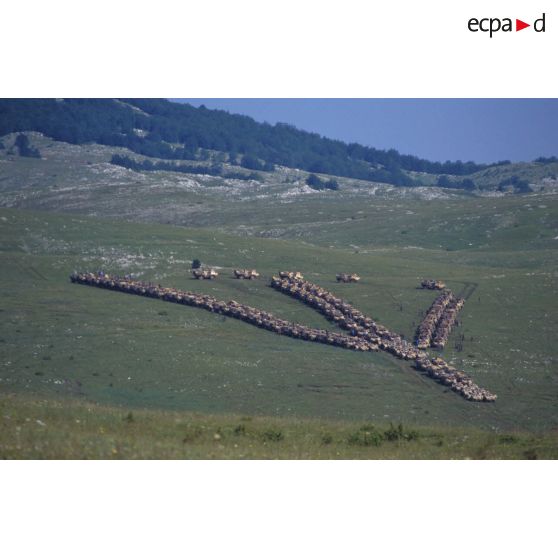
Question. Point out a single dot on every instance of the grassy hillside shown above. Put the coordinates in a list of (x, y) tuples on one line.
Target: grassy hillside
[(68, 348), (75, 342), (79, 179)]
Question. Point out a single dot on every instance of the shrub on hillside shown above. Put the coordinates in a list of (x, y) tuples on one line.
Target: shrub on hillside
[(253, 163), (366, 435), (552, 159), (215, 169), (397, 433), (24, 147), (518, 184), (446, 182), (273, 435), (316, 183), (240, 430)]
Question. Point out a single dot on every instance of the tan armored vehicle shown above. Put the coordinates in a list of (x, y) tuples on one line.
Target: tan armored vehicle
[(433, 285), (296, 275), (246, 274), (204, 273), (347, 278)]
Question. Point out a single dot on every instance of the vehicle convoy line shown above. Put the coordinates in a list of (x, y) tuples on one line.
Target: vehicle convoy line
[(231, 309), (365, 334), (436, 326), (364, 327)]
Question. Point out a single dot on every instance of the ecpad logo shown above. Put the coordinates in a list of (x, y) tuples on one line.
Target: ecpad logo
[(493, 25)]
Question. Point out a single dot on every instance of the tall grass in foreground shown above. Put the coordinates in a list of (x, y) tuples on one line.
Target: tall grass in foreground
[(73, 429)]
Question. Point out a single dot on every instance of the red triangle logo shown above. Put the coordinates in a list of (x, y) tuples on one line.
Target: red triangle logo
[(519, 25)]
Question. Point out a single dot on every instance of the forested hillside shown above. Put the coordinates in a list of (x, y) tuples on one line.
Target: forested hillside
[(167, 130)]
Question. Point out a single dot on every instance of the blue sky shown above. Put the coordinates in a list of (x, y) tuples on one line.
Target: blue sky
[(482, 130)]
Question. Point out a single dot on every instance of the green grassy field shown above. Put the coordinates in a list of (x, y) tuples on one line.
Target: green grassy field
[(78, 343)]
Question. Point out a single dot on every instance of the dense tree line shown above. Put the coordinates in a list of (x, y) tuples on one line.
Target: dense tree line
[(166, 130), (215, 169)]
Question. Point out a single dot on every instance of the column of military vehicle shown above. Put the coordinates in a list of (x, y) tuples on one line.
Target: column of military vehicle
[(446, 322), (440, 318), (362, 326), (427, 327), (231, 308), (365, 333)]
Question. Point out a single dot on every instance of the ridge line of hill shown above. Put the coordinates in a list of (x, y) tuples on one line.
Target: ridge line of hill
[(169, 130)]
